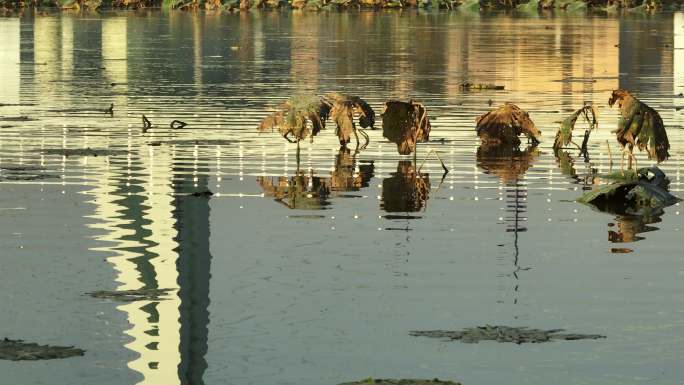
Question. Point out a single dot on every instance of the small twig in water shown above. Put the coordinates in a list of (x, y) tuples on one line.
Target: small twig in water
[(178, 124), (146, 124)]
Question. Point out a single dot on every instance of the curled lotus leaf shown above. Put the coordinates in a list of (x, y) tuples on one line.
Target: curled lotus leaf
[(638, 193), (640, 125), (297, 118), (343, 109), (504, 124)]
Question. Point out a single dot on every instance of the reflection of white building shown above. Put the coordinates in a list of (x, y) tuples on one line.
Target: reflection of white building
[(9, 60), (678, 59), (155, 325)]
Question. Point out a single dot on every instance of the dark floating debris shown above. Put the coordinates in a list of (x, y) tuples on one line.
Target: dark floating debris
[(131, 295), (16, 119), (633, 193), (18, 350), (82, 151), (389, 381), (405, 217), (480, 86), (178, 124), (202, 194), (146, 124), (17, 104), (24, 173), (305, 216), (518, 335), (503, 125), (109, 110), (200, 142)]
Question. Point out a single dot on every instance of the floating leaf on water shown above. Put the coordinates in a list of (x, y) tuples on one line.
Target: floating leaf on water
[(636, 194), (481, 86), (518, 335), (131, 295), (405, 124), (18, 350), (82, 151), (564, 134), (503, 125), (406, 190), (640, 125), (406, 381)]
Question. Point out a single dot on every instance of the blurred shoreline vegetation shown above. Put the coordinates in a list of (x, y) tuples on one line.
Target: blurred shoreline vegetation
[(523, 7)]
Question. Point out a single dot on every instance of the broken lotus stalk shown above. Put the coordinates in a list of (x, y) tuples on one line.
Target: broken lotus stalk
[(564, 134)]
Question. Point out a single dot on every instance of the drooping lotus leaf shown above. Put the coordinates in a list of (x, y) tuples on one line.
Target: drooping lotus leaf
[(343, 109), (636, 194), (503, 125), (406, 190), (508, 163), (640, 125), (564, 134), (405, 124), (300, 117)]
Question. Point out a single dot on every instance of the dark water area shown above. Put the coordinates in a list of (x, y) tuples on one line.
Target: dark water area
[(315, 273)]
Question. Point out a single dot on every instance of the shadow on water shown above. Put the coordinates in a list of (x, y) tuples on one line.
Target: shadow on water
[(192, 214), (305, 191)]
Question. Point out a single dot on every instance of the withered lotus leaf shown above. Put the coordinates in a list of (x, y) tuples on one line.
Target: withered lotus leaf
[(405, 124), (504, 124)]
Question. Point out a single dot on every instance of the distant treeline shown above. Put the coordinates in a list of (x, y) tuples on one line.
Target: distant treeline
[(523, 6)]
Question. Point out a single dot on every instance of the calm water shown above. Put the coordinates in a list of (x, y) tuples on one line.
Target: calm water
[(316, 275)]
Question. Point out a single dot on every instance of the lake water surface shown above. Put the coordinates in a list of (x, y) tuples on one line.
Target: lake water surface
[(315, 273)]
